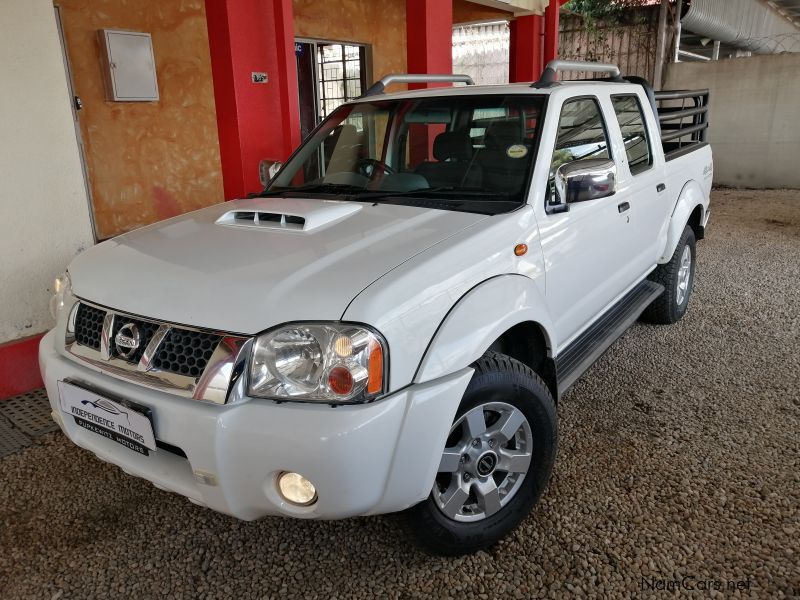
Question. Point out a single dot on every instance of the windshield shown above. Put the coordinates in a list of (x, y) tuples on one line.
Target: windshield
[(471, 153)]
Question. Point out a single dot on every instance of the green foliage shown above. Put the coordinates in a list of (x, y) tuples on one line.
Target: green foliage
[(611, 12)]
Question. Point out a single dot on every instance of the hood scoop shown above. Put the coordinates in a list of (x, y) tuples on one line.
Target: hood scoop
[(246, 218), (303, 217)]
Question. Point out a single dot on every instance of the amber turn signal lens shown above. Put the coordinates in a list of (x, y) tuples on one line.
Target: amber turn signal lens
[(520, 249), (375, 369)]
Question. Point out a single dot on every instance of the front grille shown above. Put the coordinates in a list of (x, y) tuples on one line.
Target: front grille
[(178, 360), (146, 331), (182, 351), (89, 326), (186, 352)]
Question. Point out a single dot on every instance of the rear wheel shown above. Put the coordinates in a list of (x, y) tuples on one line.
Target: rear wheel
[(677, 277), (496, 462)]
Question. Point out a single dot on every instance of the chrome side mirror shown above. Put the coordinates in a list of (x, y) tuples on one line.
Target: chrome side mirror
[(581, 180), (267, 169)]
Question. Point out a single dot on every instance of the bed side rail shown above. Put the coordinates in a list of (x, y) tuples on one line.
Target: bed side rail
[(683, 117)]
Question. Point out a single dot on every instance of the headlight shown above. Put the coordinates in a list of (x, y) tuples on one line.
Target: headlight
[(335, 363), (62, 287)]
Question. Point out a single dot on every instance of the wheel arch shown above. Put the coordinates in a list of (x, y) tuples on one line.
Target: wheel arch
[(506, 314), (689, 210)]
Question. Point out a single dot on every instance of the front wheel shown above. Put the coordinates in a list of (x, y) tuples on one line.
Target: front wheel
[(496, 462)]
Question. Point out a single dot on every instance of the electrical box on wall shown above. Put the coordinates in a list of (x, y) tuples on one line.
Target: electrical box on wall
[(129, 66)]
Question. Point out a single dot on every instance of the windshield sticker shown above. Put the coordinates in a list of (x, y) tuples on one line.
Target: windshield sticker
[(516, 151)]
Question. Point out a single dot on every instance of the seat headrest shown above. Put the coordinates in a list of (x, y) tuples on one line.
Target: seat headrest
[(454, 145), (502, 134)]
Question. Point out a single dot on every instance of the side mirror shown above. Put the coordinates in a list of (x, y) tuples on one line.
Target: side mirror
[(582, 180), (267, 169)]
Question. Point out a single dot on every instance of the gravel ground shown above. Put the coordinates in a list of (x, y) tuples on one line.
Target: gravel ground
[(678, 458)]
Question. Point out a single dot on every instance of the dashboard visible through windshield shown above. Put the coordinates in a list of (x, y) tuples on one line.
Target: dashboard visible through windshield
[(468, 153)]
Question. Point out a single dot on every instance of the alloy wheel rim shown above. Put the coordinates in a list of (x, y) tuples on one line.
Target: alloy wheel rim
[(487, 456), (684, 275)]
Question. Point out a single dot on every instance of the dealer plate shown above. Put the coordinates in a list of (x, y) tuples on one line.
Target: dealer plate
[(112, 419)]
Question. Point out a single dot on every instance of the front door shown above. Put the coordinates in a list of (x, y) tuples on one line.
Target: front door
[(585, 248)]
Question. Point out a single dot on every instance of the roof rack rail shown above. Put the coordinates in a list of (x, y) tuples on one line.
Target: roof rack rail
[(548, 77), (378, 87)]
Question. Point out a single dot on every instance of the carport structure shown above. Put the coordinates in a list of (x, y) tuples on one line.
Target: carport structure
[(244, 34)]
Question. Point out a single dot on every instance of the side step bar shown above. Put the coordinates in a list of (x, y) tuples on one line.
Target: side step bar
[(581, 354)]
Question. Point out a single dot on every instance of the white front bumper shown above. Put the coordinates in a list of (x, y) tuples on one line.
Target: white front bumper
[(368, 459)]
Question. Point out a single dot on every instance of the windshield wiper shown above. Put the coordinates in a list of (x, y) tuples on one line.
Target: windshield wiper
[(442, 190), (320, 188)]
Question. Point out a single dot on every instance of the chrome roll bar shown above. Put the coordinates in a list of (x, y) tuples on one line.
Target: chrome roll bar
[(554, 66), (379, 86)]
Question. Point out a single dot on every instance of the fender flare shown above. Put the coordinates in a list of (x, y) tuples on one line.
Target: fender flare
[(479, 317), (690, 198)]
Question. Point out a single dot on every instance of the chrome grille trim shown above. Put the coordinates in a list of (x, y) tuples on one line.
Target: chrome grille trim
[(105, 335), (152, 348), (214, 384)]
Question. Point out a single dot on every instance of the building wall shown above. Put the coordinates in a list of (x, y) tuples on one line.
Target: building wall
[(147, 161), (482, 52), (630, 44), (754, 128), (382, 25), (43, 207)]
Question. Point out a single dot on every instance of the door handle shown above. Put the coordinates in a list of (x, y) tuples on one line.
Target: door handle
[(623, 206), (661, 187)]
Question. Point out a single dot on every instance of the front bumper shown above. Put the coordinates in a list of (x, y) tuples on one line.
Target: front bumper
[(368, 459)]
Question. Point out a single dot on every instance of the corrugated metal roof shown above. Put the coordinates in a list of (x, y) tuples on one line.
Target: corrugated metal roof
[(747, 24), (789, 9)]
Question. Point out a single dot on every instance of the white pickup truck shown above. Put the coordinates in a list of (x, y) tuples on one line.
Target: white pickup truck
[(389, 325)]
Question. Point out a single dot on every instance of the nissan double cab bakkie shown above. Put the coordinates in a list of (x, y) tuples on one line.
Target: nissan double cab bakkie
[(389, 324)]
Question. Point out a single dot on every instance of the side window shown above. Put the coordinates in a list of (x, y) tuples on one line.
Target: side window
[(581, 134), (634, 132)]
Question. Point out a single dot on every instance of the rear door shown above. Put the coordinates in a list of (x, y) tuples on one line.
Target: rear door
[(586, 249), (640, 179)]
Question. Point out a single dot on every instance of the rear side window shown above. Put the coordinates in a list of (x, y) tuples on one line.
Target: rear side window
[(634, 133)]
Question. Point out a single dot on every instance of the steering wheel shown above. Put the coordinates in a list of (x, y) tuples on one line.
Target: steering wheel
[(367, 166)]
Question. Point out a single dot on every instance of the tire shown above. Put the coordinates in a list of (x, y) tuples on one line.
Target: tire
[(504, 388), (670, 306)]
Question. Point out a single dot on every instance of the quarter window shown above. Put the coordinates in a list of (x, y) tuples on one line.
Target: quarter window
[(634, 133)]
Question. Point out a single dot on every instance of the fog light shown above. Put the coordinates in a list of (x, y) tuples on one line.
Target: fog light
[(296, 489)]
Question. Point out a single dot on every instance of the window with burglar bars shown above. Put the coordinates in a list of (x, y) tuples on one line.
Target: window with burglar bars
[(341, 75)]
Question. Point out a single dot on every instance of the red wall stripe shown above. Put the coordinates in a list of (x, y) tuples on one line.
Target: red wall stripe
[(19, 366)]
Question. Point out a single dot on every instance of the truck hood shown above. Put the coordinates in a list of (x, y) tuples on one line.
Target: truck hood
[(248, 265)]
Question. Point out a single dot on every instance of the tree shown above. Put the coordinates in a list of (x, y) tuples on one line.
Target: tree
[(612, 12)]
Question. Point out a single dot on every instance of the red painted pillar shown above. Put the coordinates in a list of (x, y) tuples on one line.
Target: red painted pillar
[(429, 38), (551, 30), (429, 49), (255, 121), (525, 57)]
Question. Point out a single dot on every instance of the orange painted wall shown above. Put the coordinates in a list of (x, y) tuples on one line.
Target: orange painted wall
[(147, 161), (379, 23)]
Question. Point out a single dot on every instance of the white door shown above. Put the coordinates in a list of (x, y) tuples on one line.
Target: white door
[(641, 179), (585, 247)]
